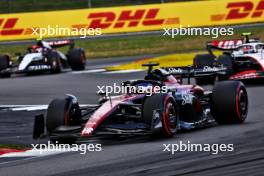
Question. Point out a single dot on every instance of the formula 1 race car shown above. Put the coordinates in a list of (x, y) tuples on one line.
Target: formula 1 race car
[(241, 59), (44, 57), (161, 113)]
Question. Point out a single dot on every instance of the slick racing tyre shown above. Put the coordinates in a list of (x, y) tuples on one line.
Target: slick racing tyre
[(4, 64), (77, 59), (54, 62), (229, 102), (200, 61), (161, 108), (62, 112), (226, 61)]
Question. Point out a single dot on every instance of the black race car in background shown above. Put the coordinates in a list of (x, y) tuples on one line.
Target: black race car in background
[(180, 107), (44, 57), (241, 60)]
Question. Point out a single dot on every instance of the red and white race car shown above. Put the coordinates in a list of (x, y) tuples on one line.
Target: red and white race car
[(241, 60), (163, 113)]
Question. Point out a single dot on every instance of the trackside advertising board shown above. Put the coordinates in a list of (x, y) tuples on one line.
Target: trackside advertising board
[(133, 18)]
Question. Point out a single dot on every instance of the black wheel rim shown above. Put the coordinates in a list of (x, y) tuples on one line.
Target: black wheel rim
[(242, 104), (171, 116)]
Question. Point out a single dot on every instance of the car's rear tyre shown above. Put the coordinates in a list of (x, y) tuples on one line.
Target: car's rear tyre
[(161, 107), (226, 61), (201, 61), (54, 62), (76, 59), (61, 112), (229, 102), (4, 64)]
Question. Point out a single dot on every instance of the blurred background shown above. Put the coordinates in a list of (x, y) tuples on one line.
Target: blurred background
[(12, 6), (136, 44)]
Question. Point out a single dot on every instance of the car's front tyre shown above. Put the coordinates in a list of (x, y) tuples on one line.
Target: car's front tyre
[(54, 62), (61, 112), (4, 64)]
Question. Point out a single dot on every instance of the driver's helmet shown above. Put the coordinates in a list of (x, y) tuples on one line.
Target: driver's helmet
[(38, 47), (39, 43), (35, 49), (247, 49)]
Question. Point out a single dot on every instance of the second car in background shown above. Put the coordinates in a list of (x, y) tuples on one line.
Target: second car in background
[(44, 57)]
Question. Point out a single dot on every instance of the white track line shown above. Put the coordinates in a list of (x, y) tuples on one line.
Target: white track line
[(31, 107), (31, 153), (88, 71), (23, 107), (123, 71), (104, 71)]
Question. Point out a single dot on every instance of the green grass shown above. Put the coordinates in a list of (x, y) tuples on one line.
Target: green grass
[(141, 45), (13, 146)]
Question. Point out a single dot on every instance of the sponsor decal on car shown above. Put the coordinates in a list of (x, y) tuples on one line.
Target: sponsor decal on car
[(175, 70), (39, 67), (227, 44)]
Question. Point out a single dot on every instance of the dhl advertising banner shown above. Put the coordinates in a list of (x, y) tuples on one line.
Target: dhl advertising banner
[(134, 18)]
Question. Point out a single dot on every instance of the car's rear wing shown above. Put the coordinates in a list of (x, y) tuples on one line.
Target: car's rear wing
[(229, 45), (224, 44), (195, 72), (61, 43), (191, 72)]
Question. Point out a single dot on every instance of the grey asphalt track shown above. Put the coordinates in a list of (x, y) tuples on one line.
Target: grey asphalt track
[(135, 156)]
